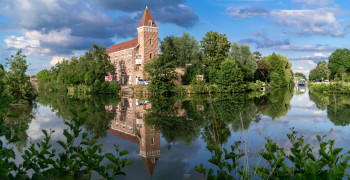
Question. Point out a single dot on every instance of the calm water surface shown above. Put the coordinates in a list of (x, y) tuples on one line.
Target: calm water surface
[(166, 137)]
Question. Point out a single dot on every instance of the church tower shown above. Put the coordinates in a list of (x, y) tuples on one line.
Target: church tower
[(147, 36)]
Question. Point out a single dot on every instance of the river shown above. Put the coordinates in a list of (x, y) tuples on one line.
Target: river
[(166, 136)]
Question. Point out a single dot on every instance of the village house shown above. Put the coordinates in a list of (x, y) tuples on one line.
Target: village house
[(130, 57)]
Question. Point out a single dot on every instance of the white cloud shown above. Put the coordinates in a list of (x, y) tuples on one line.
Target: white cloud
[(292, 47), (246, 12), (57, 59), (319, 21)]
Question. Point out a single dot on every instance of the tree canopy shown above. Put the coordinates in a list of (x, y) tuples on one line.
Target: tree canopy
[(339, 63), (321, 72), (241, 53), (18, 83)]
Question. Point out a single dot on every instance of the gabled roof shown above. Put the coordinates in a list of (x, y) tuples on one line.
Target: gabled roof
[(121, 46), (146, 17), (129, 137)]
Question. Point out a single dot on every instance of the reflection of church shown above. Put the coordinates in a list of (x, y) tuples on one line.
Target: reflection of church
[(129, 124)]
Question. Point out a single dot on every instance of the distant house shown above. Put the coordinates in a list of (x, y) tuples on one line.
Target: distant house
[(130, 57)]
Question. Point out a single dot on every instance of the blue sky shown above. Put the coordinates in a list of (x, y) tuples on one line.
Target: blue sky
[(306, 31)]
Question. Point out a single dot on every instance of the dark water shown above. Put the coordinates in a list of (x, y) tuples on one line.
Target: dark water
[(166, 137)]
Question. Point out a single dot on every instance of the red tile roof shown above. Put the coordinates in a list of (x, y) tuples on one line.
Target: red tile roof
[(145, 19), (122, 46)]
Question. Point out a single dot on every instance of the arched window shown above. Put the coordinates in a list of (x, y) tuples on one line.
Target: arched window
[(150, 23), (129, 57)]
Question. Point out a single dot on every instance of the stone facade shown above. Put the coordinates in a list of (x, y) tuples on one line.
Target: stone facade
[(130, 57)]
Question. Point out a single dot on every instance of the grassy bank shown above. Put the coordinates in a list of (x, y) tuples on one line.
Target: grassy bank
[(336, 87)]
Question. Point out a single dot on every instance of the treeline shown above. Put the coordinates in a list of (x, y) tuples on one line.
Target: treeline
[(338, 67), (226, 67), (85, 74)]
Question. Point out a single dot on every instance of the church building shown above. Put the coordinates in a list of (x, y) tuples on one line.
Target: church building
[(130, 57)]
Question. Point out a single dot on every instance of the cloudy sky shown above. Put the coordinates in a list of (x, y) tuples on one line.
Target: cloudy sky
[(306, 31)]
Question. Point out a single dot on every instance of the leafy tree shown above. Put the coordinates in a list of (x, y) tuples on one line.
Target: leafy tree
[(263, 71), (241, 53), (215, 47), (321, 72), (230, 77), (279, 69), (182, 50), (92, 67), (161, 72), (339, 63), (18, 83), (301, 75), (257, 55)]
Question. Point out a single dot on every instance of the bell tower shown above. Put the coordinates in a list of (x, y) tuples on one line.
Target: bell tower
[(147, 35)]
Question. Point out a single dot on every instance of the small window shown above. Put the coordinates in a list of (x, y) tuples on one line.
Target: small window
[(129, 57), (150, 23), (116, 59), (150, 55), (152, 140), (150, 41)]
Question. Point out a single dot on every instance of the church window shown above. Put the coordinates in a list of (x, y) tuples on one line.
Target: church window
[(116, 60), (150, 55), (152, 140), (129, 57), (122, 58), (150, 41), (150, 23)]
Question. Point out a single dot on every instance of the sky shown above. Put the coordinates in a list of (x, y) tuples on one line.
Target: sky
[(306, 31)]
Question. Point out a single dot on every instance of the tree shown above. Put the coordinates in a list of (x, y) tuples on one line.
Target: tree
[(161, 72), (279, 70), (230, 77), (257, 55), (241, 53), (18, 83), (321, 72), (339, 63), (215, 47), (301, 75)]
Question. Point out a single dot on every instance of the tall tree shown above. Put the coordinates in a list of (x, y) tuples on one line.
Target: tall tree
[(301, 75), (181, 50), (19, 85), (339, 63), (280, 69), (215, 47), (241, 53), (321, 72)]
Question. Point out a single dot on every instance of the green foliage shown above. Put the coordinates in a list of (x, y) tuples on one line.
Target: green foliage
[(215, 47), (300, 75), (339, 63), (276, 103), (279, 70), (80, 157), (161, 72), (300, 163), (230, 77), (321, 72), (241, 53), (181, 50), (97, 118), (18, 83), (88, 70)]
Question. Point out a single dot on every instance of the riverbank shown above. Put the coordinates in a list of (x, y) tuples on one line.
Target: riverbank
[(333, 87)]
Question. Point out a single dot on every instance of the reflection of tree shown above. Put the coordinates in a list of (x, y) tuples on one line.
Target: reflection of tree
[(276, 103), (321, 100), (338, 110), (98, 119), (237, 110), (175, 120), (23, 115)]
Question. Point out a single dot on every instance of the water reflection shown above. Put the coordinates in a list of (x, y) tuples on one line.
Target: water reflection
[(129, 125)]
